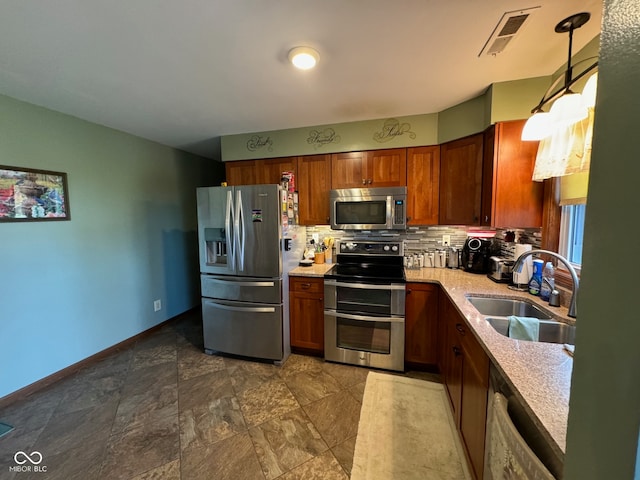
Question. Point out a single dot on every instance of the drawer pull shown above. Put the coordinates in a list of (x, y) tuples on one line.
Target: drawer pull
[(460, 329), (305, 285), (457, 352)]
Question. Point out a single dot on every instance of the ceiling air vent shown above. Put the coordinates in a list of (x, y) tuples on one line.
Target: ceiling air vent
[(508, 27)]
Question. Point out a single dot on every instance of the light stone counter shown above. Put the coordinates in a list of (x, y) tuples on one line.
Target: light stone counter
[(539, 373), (315, 270)]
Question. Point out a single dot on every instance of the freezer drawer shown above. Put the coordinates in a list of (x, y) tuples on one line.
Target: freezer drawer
[(239, 328), (249, 289)]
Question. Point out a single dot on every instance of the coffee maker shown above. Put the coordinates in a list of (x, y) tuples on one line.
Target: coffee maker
[(476, 253)]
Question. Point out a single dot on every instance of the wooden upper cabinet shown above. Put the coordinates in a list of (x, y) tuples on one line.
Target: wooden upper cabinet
[(461, 181), (241, 173), (423, 185), (348, 170), (256, 172), (387, 168), (510, 198), (270, 170), (313, 182), (376, 168)]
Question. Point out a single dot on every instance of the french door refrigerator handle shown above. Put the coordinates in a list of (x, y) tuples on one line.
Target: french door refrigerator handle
[(241, 309), (236, 232), (228, 222), (241, 227)]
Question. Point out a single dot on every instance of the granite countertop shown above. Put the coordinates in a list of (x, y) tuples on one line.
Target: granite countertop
[(315, 270), (539, 373)]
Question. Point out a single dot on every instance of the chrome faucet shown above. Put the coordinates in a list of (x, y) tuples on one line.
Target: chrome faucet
[(517, 267)]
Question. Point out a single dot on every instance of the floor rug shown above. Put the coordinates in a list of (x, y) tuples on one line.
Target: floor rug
[(406, 432)]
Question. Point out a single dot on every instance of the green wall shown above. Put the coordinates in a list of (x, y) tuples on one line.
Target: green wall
[(407, 131), (70, 289), (604, 413), (461, 120)]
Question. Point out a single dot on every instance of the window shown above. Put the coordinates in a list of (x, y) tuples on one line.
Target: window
[(572, 232)]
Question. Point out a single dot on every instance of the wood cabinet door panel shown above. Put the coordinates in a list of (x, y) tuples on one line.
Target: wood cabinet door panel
[(314, 183), (461, 181), (517, 200), (421, 325), (348, 170), (386, 168), (270, 170), (473, 407), (306, 314), (241, 173), (423, 185)]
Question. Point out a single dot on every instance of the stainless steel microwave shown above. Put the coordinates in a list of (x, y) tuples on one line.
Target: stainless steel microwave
[(369, 208)]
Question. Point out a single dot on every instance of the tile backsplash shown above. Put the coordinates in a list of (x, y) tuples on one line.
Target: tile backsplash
[(418, 239)]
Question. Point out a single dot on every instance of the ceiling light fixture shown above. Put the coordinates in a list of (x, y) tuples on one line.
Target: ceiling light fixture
[(304, 58), (568, 107)]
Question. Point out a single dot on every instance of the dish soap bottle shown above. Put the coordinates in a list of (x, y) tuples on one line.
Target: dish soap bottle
[(548, 281), (536, 279)]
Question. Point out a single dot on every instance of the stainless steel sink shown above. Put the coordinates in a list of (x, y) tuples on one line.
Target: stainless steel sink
[(551, 331), (496, 311), (503, 307)]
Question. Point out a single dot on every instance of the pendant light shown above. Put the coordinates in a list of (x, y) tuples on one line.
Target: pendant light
[(568, 107)]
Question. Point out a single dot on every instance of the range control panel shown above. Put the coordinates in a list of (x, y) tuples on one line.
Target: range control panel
[(353, 247)]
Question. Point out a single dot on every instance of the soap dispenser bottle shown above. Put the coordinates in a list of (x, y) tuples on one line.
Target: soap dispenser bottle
[(536, 279), (548, 281)]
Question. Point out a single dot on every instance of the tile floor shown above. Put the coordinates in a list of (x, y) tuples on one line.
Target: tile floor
[(162, 409)]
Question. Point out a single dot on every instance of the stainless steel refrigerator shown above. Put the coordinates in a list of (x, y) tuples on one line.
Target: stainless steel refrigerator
[(246, 251)]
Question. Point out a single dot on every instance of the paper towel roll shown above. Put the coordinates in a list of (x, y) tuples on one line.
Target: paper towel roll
[(524, 276)]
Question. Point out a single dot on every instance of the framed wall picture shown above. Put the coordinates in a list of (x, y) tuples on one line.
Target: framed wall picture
[(28, 195)]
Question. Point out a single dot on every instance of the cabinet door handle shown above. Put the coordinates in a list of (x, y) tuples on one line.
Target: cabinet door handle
[(460, 329), (369, 181), (457, 352), (364, 181), (408, 291)]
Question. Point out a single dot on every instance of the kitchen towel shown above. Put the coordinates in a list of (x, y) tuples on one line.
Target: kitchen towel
[(524, 328)]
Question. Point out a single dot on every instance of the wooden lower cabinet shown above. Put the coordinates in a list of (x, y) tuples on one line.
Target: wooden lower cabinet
[(465, 370), (421, 327), (306, 315)]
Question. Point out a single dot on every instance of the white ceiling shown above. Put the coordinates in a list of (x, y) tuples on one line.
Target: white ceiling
[(184, 72)]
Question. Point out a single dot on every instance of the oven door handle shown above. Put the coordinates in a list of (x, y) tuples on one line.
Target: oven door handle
[(365, 286), (364, 318)]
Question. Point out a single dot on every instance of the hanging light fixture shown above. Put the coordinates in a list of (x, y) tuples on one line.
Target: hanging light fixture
[(568, 107)]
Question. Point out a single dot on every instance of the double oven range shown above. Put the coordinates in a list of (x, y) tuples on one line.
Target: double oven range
[(364, 305)]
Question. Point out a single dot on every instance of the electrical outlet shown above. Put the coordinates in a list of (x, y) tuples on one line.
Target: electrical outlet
[(157, 305), (446, 240)]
